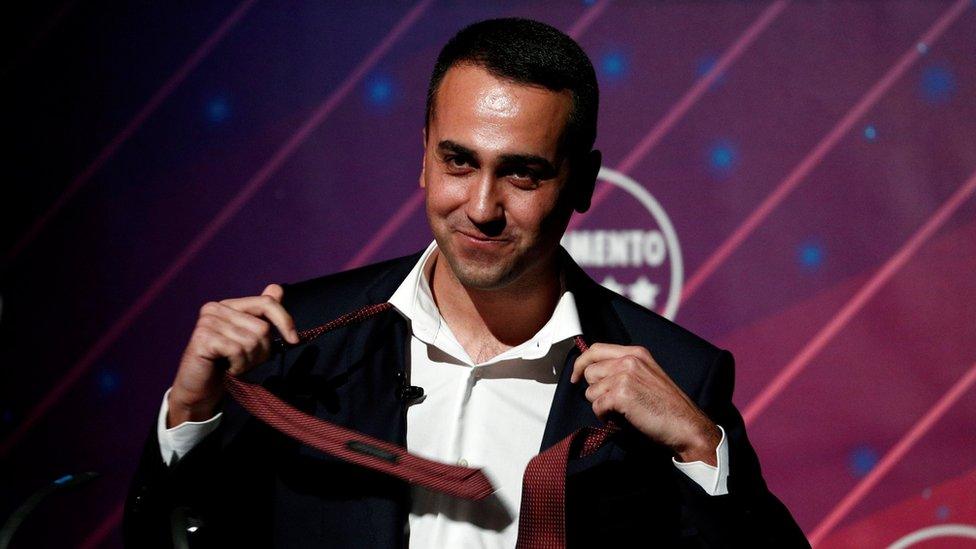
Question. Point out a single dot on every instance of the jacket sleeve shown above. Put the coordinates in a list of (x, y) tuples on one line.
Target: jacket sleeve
[(214, 494), (749, 515), (145, 522)]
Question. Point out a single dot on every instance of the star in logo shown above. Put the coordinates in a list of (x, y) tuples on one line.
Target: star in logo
[(643, 292), (611, 284)]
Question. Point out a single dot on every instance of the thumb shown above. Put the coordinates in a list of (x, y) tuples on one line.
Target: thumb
[(275, 291)]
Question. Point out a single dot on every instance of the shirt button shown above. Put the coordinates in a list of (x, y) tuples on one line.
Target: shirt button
[(463, 462)]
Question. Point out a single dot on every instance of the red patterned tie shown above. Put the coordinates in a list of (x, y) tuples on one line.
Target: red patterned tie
[(542, 515), (542, 521)]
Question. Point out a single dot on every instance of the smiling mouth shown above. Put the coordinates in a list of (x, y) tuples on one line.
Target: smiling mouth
[(481, 239)]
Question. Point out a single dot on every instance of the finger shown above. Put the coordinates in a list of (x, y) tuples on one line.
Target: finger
[(218, 346), (266, 307), (620, 380), (256, 347), (258, 326), (628, 364), (606, 351), (275, 291), (617, 401), (599, 370), (596, 390), (605, 406)]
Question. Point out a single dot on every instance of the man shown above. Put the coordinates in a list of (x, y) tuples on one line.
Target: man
[(485, 321)]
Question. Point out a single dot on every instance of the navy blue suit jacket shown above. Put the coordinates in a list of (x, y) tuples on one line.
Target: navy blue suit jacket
[(246, 485)]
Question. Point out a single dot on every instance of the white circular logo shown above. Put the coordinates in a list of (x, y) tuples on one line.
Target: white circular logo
[(636, 254), (935, 532)]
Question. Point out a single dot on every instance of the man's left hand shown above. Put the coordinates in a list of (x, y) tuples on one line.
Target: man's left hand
[(626, 380)]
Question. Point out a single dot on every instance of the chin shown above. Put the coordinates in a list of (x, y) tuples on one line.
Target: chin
[(476, 275)]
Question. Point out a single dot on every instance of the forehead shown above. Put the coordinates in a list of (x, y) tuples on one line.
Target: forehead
[(483, 111)]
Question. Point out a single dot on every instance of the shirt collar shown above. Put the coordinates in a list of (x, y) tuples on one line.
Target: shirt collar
[(415, 301)]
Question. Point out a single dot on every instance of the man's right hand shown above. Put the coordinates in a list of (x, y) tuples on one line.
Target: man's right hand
[(234, 334)]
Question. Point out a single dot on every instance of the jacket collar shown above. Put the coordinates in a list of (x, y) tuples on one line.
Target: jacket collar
[(599, 321), (414, 300)]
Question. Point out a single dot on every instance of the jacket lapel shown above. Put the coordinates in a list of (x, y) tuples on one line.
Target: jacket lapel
[(352, 375), (376, 349), (570, 410), (375, 333)]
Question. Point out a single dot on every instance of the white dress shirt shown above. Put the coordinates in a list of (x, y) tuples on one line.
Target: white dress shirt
[(490, 415)]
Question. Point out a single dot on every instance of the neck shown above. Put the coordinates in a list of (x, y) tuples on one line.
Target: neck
[(488, 322)]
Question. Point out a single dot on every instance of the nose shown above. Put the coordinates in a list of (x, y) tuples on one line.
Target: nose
[(486, 206)]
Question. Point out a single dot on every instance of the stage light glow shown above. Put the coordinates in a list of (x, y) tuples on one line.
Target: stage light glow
[(218, 109), (810, 255), (723, 158), (861, 460), (380, 90), (614, 65), (705, 64), (108, 382), (938, 84)]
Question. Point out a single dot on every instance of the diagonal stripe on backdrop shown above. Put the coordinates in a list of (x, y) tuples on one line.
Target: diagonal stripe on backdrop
[(587, 19), (678, 111), (857, 302), (109, 150), (894, 455), (97, 537), (663, 126), (813, 158), (216, 224)]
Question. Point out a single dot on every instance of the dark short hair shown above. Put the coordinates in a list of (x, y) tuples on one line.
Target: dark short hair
[(527, 52)]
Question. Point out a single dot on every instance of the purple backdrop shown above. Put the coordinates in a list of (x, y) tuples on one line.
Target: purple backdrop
[(798, 183)]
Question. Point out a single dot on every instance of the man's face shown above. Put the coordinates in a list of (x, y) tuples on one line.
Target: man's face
[(496, 176)]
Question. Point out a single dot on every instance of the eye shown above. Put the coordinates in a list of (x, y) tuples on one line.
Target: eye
[(523, 177), (455, 161)]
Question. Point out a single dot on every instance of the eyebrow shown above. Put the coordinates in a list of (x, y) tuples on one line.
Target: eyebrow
[(457, 148), (509, 159)]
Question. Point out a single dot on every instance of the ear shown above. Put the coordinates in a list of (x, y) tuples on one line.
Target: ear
[(585, 181), (423, 161)]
